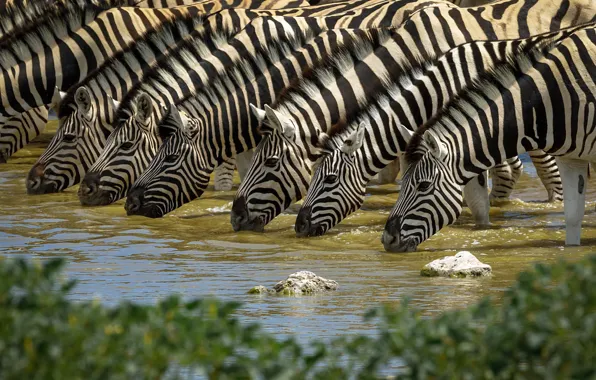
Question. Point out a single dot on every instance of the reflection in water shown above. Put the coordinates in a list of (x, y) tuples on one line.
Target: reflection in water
[(194, 251)]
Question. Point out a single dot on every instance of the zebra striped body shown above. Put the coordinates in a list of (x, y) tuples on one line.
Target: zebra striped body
[(318, 107), (180, 171), (545, 100), (62, 165), (117, 167), (64, 162), (377, 135), (33, 66), (266, 4)]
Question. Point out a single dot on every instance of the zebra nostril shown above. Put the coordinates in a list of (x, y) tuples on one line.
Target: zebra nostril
[(302, 226), (134, 201)]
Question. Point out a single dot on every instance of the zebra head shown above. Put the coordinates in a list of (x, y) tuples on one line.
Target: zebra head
[(277, 176), (336, 189), (430, 197), (127, 152), (74, 147), (178, 173)]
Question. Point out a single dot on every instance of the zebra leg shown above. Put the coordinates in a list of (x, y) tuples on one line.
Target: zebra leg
[(505, 176), (548, 172), (574, 174), (476, 197), (388, 174), (224, 175), (243, 161)]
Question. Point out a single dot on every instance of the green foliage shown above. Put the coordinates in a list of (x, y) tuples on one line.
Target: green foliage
[(544, 328)]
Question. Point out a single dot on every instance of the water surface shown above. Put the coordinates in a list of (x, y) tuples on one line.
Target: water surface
[(194, 251)]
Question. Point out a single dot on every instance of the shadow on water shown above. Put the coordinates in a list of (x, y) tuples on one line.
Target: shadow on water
[(195, 252)]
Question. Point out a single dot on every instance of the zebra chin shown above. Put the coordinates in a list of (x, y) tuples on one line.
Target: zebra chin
[(304, 226), (135, 205), (393, 243), (90, 193), (37, 182), (241, 220)]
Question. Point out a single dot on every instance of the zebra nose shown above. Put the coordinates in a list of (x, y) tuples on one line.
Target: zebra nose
[(302, 227), (90, 184), (35, 178), (239, 214), (390, 237), (134, 201)]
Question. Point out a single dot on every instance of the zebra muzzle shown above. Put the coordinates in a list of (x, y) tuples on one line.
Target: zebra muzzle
[(134, 201)]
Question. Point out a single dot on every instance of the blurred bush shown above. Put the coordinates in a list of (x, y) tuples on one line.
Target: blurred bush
[(545, 328)]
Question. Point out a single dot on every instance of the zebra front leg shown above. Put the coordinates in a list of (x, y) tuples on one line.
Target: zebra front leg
[(505, 176), (224, 175), (243, 161), (548, 172), (388, 174), (476, 197), (574, 175)]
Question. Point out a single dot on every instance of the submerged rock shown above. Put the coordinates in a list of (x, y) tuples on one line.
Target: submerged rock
[(463, 264), (259, 290), (299, 283)]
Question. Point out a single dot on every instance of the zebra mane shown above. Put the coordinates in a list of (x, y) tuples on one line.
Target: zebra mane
[(246, 69), (488, 85), (162, 38), (56, 22), (336, 64), (165, 71), (19, 13)]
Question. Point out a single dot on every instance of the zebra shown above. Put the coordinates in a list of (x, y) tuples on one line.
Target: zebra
[(281, 167), (86, 111), (118, 166), (66, 171), (46, 48), (377, 135), (388, 9), (55, 34), (181, 168), (544, 99)]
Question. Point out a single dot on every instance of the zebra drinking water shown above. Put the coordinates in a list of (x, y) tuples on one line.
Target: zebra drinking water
[(282, 164), (545, 99), (378, 134)]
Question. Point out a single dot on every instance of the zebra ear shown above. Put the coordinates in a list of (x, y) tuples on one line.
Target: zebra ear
[(144, 108), (405, 133), (435, 146), (57, 99), (115, 104), (83, 100), (259, 113), (179, 118), (281, 122), (355, 140)]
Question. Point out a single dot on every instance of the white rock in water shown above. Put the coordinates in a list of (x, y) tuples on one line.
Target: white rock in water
[(463, 264), (304, 282)]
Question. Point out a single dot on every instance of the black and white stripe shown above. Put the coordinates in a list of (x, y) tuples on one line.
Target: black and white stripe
[(180, 171), (543, 100), (378, 134), (319, 106)]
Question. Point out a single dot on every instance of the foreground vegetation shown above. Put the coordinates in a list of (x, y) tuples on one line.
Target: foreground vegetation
[(544, 328)]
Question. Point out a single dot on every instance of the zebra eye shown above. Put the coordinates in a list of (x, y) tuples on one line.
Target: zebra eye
[(126, 145), (271, 162), (331, 179), (70, 137), (171, 158), (424, 185)]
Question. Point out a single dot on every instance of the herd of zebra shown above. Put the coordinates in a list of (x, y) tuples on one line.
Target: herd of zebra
[(309, 101)]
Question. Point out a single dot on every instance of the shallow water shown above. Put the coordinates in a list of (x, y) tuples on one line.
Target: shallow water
[(194, 251)]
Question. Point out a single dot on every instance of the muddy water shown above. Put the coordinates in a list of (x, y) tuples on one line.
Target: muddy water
[(193, 251)]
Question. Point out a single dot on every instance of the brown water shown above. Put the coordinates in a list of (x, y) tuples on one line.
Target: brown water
[(194, 251)]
